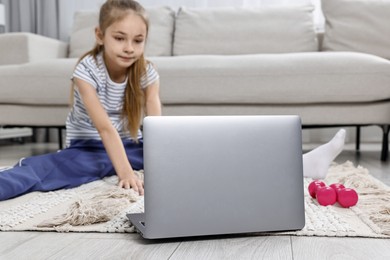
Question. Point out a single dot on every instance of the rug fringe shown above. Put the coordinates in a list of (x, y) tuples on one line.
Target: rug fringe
[(100, 208)]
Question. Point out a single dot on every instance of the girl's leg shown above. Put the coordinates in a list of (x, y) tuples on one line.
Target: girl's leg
[(83, 162), (317, 161), (17, 180), (86, 161), (46, 173)]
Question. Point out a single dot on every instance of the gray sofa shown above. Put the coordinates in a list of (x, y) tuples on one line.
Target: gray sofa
[(224, 61)]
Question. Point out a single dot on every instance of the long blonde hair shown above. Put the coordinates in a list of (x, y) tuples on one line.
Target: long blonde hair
[(110, 12)]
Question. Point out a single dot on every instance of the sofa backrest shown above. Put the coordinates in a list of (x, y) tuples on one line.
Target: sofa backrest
[(159, 43), (244, 31), (358, 26), (213, 31)]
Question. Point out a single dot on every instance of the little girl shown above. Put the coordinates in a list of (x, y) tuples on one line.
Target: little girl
[(113, 87)]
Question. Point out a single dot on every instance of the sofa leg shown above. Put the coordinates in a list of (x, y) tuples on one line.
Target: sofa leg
[(385, 143), (47, 134), (357, 138), (60, 137), (34, 135)]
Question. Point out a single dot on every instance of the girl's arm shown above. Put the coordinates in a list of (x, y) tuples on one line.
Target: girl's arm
[(152, 99), (110, 137)]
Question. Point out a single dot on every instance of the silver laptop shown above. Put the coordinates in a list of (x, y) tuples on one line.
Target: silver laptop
[(214, 175)]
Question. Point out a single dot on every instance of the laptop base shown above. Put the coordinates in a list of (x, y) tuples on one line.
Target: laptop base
[(138, 220)]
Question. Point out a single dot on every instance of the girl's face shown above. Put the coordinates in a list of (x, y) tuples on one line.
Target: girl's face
[(124, 43)]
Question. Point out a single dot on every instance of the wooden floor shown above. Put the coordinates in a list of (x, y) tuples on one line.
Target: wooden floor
[(51, 245)]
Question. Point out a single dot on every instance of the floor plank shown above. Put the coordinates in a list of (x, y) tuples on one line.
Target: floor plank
[(340, 248), (36, 245), (51, 245), (10, 241), (253, 247), (115, 246)]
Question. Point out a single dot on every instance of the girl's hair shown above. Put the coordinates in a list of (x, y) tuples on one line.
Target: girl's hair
[(110, 12)]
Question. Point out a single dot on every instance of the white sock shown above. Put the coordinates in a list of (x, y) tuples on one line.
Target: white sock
[(317, 161)]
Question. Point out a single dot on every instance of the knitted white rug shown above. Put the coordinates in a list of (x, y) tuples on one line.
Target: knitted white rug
[(101, 207)]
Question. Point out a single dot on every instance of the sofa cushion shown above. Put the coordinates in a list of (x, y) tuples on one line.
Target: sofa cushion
[(42, 83), (357, 25), (159, 42), (293, 78), (244, 31), (82, 37)]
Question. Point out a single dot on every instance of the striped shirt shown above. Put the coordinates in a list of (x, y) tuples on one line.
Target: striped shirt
[(111, 95)]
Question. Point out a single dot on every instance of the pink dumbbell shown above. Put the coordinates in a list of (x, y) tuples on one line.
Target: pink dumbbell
[(313, 186), (326, 196), (346, 197)]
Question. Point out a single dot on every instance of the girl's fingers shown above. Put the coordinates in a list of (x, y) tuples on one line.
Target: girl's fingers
[(137, 185), (141, 188)]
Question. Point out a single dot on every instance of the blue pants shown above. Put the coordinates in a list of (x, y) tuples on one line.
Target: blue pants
[(84, 161)]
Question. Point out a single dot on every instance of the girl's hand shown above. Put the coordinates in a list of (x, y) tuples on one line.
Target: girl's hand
[(132, 181)]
